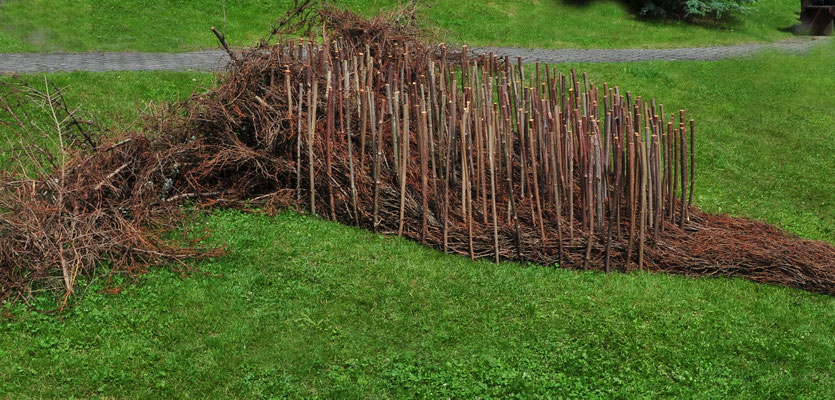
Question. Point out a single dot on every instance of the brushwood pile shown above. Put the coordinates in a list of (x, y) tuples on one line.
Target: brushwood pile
[(366, 124)]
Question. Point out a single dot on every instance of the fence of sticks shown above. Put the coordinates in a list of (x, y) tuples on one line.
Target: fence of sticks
[(485, 157), (475, 155), (483, 160)]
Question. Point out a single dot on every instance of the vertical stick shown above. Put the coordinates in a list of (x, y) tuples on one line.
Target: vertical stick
[(620, 165), (589, 204), (510, 192), (424, 182), (570, 178), (657, 173), (404, 162), (613, 204), (359, 88), (311, 126), (468, 199), (445, 144), (671, 171), (692, 162), (643, 206), (683, 163), (299, 146), (329, 141), (289, 90), (393, 103), (598, 175), (346, 125), (430, 139), (535, 184), (559, 184), (632, 189), (490, 150), (376, 137), (481, 134), (676, 169)]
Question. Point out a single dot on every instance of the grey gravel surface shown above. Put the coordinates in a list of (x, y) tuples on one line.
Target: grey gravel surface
[(213, 60), (795, 45), (206, 60)]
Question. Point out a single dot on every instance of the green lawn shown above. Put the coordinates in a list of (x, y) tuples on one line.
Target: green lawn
[(308, 308), (120, 96), (176, 25)]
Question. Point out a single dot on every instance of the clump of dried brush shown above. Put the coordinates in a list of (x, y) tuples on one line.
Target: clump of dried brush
[(71, 198)]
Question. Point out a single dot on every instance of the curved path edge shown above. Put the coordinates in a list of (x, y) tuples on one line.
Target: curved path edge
[(215, 60)]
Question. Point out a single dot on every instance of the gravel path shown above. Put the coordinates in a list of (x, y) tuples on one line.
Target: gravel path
[(796, 45), (213, 60), (207, 60)]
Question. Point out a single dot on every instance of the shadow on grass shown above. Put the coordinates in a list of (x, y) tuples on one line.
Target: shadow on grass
[(578, 3), (796, 29), (636, 8)]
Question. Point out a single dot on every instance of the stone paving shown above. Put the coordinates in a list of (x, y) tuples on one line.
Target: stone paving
[(214, 60)]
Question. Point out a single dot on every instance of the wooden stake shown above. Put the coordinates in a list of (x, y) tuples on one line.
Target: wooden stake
[(490, 150), (404, 162), (299, 146), (329, 142), (692, 162), (643, 228), (376, 137), (311, 126), (346, 126)]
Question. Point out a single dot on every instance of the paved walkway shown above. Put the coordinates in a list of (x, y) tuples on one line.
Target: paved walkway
[(213, 60)]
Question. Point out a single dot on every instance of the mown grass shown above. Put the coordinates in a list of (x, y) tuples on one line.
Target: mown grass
[(118, 97), (307, 308), (170, 25)]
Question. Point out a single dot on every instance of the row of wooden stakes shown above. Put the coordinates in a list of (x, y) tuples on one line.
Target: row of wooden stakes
[(488, 140)]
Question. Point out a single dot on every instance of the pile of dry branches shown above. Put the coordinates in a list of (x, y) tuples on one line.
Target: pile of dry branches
[(369, 126), (72, 198)]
